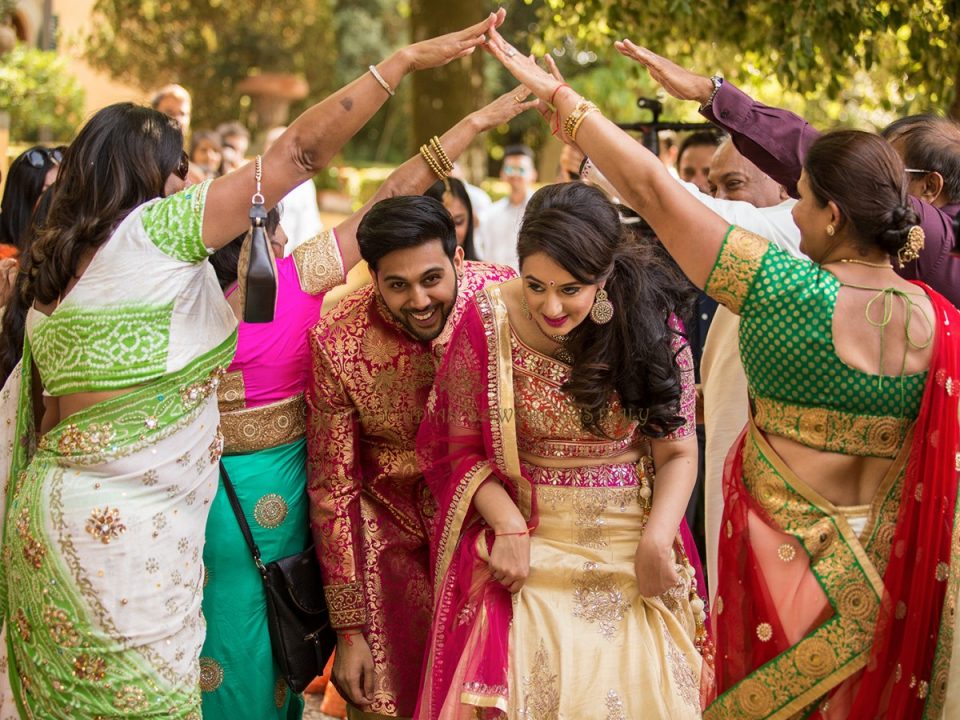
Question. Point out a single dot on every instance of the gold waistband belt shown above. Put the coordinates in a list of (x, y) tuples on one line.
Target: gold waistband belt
[(264, 427)]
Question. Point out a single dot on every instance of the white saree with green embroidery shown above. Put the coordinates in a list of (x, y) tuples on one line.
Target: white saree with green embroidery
[(104, 515)]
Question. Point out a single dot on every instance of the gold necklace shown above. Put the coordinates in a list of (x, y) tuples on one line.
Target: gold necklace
[(855, 261)]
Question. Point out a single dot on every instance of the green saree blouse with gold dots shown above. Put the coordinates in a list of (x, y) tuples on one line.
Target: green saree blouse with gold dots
[(105, 513), (817, 616)]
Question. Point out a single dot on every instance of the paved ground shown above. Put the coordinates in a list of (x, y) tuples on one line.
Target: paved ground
[(312, 711)]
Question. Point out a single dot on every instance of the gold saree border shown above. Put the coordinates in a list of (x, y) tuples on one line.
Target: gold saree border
[(839, 647), (453, 523), (500, 394), (943, 656), (265, 426)]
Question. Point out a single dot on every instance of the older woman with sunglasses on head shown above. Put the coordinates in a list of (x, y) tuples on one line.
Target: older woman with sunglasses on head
[(112, 441)]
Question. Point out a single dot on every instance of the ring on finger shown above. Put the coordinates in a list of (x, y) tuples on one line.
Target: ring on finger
[(511, 52), (518, 98)]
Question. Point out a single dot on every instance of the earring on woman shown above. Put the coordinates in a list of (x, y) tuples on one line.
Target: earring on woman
[(602, 311), (830, 230), (524, 306)]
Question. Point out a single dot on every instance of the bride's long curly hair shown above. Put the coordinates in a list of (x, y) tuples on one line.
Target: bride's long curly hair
[(580, 229)]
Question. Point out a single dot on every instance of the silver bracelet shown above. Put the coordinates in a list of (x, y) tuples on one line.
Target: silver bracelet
[(379, 78)]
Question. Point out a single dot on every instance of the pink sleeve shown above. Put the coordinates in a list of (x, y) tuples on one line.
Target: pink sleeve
[(688, 391)]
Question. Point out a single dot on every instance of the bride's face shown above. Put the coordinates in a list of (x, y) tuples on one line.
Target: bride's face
[(558, 302)]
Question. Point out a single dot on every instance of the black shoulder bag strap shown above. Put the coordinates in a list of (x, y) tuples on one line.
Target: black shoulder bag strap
[(241, 518)]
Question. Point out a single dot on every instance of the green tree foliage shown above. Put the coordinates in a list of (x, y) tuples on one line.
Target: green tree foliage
[(38, 91), (865, 59), (210, 45), (366, 32)]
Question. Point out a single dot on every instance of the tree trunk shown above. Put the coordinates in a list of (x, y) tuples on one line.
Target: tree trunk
[(442, 96)]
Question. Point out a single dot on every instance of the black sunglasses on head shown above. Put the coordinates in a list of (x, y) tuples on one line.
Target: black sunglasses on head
[(39, 157)]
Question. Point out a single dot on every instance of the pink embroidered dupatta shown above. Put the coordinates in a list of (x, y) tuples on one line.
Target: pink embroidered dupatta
[(468, 438)]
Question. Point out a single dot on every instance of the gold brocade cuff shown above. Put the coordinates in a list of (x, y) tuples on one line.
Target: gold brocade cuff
[(346, 604), (319, 264)]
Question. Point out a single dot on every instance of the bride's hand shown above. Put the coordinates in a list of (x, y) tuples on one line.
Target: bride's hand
[(441, 50), (524, 68), (550, 116), (655, 565)]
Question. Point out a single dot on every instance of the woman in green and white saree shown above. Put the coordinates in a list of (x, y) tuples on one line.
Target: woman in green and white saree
[(111, 430)]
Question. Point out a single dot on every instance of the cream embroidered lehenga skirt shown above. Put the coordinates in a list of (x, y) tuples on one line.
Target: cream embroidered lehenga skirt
[(584, 644)]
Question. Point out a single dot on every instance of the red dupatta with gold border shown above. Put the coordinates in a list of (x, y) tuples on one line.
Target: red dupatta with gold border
[(812, 621), (468, 438)]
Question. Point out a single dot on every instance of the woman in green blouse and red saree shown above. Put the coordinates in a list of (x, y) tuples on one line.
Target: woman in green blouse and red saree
[(840, 552)]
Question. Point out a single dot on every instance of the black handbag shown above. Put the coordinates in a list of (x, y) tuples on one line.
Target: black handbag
[(300, 633), (257, 269)]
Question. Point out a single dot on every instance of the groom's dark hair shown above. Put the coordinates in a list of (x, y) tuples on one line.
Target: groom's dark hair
[(404, 222)]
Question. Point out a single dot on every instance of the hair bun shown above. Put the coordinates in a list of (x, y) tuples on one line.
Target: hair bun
[(899, 221)]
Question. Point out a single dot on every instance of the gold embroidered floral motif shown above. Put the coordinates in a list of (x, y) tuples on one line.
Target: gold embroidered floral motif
[(614, 706), (942, 571), (104, 525), (599, 600), (215, 449), (34, 552), (270, 511), (754, 699), (765, 632), (89, 667), (264, 427), (74, 441), (211, 674), (685, 680), (816, 657), (23, 624), (195, 393), (786, 552), (857, 602), (541, 698), (61, 627), (130, 698)]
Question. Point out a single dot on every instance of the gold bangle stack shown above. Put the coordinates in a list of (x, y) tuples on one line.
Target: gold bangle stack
[(441, 153), (437, 158), (575, 119)]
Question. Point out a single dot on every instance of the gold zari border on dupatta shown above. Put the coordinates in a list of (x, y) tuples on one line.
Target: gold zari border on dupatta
[(846, 572), (945, 672), (453, 523), (500, 399)]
